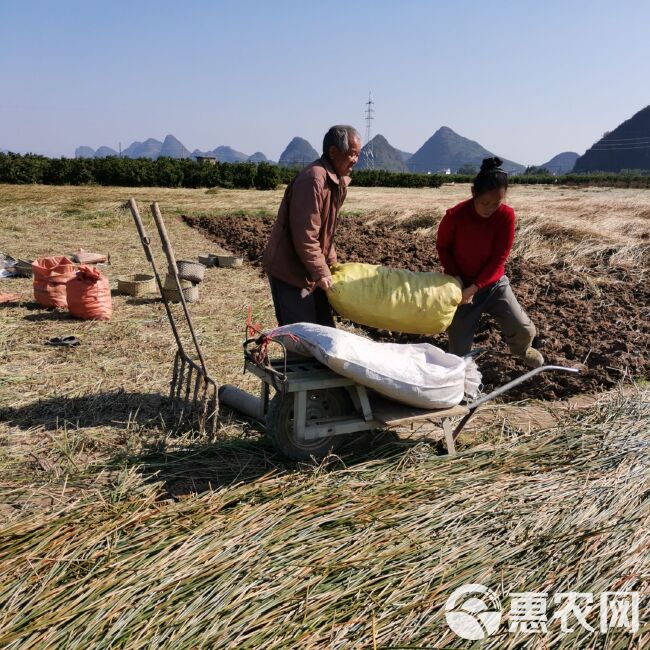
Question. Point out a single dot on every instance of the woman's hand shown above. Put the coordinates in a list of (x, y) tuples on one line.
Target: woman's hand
[(468, 294)]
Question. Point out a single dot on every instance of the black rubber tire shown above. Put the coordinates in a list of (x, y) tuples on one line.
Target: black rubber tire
[(330, 402)]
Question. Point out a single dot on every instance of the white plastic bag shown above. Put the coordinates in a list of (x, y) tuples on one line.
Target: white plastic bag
[(7, 266), (417, 374)]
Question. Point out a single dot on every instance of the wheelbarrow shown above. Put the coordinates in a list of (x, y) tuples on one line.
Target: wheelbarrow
[(313, 406)]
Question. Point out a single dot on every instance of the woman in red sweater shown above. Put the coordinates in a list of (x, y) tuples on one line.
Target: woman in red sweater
[(474, 241)]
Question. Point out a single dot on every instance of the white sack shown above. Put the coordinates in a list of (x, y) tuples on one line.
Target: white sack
[(7, 266), (417, 374)]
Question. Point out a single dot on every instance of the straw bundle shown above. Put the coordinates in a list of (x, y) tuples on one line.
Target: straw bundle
[(352, 558)]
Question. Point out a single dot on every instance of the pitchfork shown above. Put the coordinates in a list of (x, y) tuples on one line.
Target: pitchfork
[(188, 375)]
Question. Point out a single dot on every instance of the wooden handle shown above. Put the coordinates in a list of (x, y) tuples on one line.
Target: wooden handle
[(162, 231), (146, 244), (140, 226), (173, 270)]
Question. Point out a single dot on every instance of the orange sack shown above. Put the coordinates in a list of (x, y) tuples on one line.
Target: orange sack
[(51, 274), (89, 295)]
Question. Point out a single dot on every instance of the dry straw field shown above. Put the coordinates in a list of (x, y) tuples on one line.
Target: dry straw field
[(117, 530)]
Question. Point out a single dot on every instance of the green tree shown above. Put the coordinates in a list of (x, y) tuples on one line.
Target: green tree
[(267, 176)]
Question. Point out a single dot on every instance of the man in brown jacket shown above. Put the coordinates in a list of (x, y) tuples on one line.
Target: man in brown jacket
[(301, 249)]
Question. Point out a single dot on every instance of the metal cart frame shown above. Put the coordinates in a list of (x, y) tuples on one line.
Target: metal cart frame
[(294, 379)]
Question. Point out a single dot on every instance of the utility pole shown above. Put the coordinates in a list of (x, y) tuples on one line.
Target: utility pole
[(369, 118)]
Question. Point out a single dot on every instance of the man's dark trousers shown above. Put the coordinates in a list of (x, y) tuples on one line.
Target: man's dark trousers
[(290, 307)]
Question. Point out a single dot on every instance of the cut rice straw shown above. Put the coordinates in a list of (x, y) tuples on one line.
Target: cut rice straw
[(347, 558)]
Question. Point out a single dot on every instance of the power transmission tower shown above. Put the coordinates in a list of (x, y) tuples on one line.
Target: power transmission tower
[(370, 159)]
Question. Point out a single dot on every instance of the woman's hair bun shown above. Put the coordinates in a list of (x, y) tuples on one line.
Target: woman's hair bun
[(491, 164), (491, 177)]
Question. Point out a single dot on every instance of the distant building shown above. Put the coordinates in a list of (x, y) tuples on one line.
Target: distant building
[(208, 159)]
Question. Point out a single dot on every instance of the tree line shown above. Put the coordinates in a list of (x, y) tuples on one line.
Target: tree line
[(172, 172), (138, 172)]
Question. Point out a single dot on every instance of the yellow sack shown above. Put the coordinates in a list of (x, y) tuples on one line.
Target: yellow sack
[(394, 299)]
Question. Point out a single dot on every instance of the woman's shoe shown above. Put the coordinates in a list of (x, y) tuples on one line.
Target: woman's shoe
[(533, 358)]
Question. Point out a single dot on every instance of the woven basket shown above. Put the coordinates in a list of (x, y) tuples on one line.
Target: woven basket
[(191, 294), (170, 283), (137, 284), (189, 270), (208, 260), (24, 268), (229, 261)]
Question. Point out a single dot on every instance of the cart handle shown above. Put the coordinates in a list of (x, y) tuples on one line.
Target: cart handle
[(515, 382)]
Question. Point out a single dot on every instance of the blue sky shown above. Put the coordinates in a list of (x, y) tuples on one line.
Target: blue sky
[(525, 79)]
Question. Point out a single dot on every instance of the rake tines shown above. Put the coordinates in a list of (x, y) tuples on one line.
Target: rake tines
[(193, 395)]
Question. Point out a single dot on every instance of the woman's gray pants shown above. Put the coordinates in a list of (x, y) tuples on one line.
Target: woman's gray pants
[(498, 301)]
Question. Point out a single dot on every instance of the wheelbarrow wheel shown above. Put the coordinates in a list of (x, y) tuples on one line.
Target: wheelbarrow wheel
[(321, 404)]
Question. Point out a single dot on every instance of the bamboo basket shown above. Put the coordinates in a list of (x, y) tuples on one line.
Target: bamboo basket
[(170, 283), (208, 260), (190, 270), (190, 293), (229, 261), (136, 284)]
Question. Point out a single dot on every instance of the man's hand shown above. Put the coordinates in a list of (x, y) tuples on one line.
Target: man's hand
[(468, 294), (325, 283)]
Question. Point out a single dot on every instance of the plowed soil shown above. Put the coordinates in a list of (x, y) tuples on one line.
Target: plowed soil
[(597, 319)]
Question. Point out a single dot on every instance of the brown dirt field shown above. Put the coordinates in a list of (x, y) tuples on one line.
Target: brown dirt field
[(595, 316)]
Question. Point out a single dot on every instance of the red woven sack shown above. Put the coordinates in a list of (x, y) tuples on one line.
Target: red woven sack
[(89, 295), (51, 274)]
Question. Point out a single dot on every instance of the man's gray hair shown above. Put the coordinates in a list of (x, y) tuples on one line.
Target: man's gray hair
[(339, 136)]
